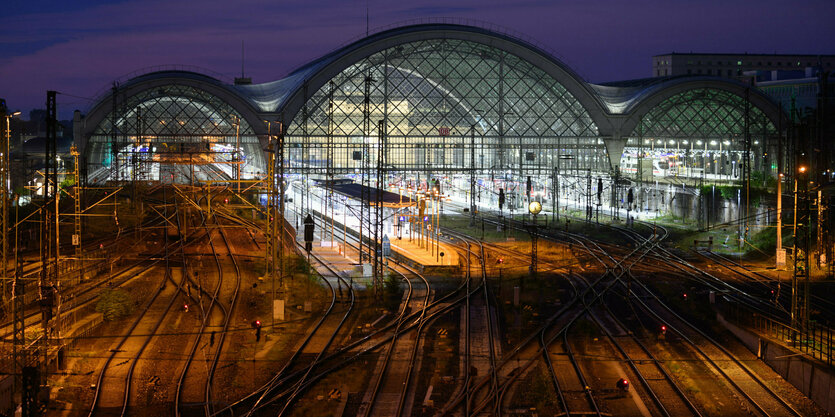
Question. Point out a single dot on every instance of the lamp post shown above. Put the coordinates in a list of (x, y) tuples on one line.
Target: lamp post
[(800, 276), (4, 194)]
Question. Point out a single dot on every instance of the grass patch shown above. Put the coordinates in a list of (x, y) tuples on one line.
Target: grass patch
[(114, 304)]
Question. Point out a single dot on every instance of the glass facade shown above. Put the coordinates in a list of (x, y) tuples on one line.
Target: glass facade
[(700, 133), (432, 108), (446, 106), (163, 130)]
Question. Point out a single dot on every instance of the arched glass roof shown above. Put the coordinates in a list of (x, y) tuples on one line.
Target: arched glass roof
[(448, 83), (437, 87), (170, 124), (175, 111), (437, 92), (703, 113)]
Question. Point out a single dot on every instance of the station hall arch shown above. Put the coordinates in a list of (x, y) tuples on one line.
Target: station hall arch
[(447, 102), (182, 126), (708, 130)]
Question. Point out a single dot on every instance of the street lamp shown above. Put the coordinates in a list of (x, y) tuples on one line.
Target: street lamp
[(5, 192)]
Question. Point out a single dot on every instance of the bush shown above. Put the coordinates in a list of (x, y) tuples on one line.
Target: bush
[(392, 293), (68, 182), (114, 304)]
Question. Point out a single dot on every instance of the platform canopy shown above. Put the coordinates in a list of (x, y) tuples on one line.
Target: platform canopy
[(369, 195)]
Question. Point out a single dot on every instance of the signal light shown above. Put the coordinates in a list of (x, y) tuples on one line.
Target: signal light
[(663, 329), (257, 325), (225, 201), (623, 384), (185, 307), (500, 261), (685, 296)]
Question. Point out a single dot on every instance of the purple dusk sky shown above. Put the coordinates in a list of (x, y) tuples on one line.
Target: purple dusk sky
[(80, 47)]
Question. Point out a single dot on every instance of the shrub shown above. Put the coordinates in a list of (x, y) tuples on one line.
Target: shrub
[(114, 304)]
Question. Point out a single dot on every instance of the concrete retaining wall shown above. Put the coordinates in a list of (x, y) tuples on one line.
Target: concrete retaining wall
[(814, 380)]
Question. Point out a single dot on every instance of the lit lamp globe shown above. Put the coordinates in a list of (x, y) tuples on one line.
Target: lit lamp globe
[(535, 207)]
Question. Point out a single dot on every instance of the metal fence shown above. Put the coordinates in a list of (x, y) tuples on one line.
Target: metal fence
[(815, 341)]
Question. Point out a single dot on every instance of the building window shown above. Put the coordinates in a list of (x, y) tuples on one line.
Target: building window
[(658, 73), (779, 64), (738, 62), (759, 64), (769, 63), (709, 72), (730, 73), (689, 71), (698, 71)]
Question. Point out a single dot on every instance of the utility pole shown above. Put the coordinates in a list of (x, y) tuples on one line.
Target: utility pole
[(76, 237), (49, 249), (588, 196), (800, 276), (747, 171), (114, 132), (472, 176), (279, 228), (273, 249), (378, 221), (237, 155), (555, 201), (329, 157), (820, 250), (781, 253), (4, 198), (365, 195)]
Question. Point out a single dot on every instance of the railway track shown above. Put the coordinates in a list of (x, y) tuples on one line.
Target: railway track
[(758, 396), (340, 357), (113, 386)]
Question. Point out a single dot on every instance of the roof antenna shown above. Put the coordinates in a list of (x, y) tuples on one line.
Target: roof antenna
[(243, 80)]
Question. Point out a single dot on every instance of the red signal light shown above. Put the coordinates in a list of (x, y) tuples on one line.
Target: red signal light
[(623, 384)]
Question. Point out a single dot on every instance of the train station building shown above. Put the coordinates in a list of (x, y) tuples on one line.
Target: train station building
[(462, 103)]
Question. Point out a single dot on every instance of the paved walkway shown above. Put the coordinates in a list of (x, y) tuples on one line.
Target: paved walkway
[(426, 256)]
